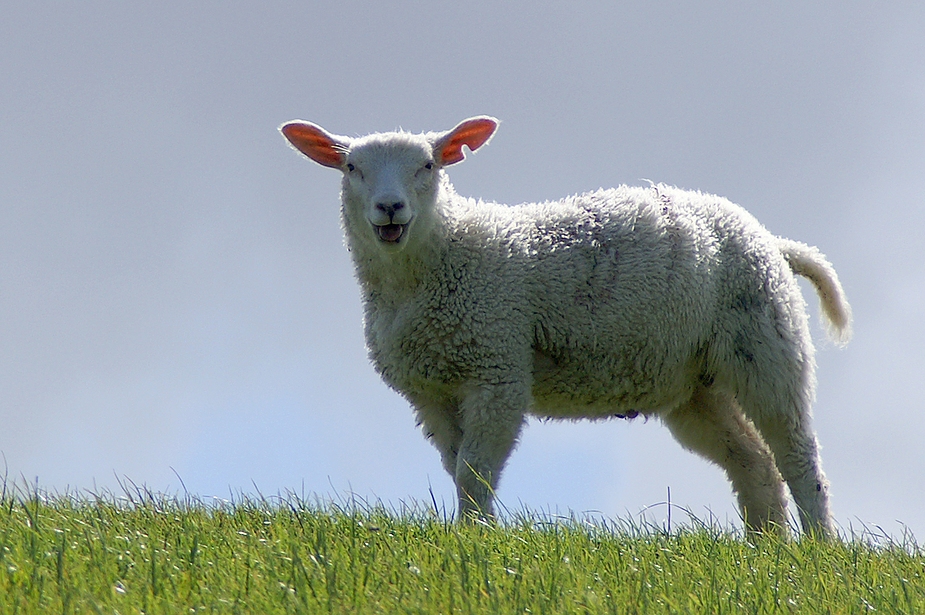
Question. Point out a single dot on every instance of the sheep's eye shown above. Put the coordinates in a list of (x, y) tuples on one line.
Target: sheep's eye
[(350, 167), (429, 166)]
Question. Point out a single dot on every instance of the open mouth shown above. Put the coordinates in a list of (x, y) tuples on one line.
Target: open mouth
[(390, 233)]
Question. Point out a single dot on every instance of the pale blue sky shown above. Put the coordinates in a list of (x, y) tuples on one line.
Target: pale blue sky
[(175, 295)]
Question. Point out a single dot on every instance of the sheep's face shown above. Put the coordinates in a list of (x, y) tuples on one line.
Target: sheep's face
[(391, 179), (389, 189)]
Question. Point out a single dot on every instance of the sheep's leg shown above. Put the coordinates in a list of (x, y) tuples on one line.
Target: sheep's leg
[(796, 451), (712, 425), (777, 399), (491, 420), (441, 427)]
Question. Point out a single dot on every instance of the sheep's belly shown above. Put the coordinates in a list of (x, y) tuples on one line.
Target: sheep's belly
[(600, 389)]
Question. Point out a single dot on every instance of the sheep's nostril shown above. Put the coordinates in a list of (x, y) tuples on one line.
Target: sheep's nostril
[(390, 208)]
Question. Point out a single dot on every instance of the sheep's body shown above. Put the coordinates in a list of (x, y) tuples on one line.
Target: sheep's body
[(606, 302), (653, 301)]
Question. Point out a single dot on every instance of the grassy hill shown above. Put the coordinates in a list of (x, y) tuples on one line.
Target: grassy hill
[(151, 553)]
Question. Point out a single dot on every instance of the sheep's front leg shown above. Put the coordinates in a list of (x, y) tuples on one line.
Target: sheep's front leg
[(491, 417)]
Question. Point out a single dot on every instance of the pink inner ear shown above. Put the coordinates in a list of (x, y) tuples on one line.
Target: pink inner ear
[(471, 133), (315, 143)]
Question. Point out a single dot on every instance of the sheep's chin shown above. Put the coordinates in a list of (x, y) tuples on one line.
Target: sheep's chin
[(390, 234)]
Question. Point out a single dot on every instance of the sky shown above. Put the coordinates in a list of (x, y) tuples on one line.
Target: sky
[(177, 308)]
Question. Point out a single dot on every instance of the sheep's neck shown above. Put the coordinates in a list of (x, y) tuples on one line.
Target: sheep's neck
[(397, 273)]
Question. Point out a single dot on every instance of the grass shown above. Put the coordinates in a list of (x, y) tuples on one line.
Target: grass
[(150, 553)]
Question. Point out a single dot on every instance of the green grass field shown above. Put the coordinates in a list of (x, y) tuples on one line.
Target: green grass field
[(149, 553)]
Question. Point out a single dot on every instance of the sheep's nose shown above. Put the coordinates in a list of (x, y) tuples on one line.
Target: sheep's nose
[(390, 208)]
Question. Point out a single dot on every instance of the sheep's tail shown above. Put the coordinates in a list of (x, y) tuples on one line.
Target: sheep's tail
[(810, 263)]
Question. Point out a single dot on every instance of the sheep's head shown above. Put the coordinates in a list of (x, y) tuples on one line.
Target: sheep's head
[(390, 179)]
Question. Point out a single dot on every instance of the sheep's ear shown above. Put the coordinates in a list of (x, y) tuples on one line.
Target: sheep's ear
[(473, 133), (317, 143)]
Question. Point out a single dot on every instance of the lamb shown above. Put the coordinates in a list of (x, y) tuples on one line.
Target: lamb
[(651, 301)]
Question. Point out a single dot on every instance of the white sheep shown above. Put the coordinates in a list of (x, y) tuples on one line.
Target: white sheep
[(654, 301)]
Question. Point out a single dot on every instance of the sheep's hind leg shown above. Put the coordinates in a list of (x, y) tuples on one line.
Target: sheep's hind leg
[(797, 453), (491, 419), (712, 425)]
